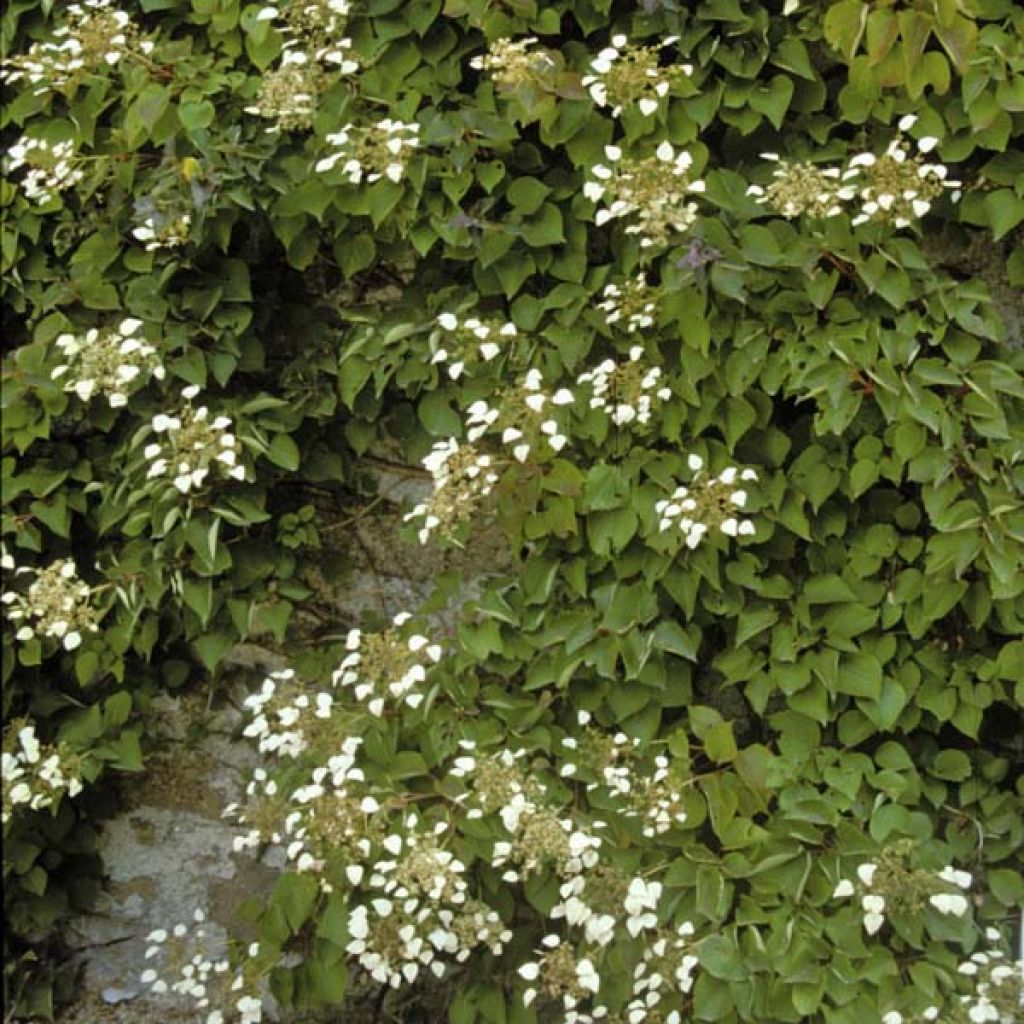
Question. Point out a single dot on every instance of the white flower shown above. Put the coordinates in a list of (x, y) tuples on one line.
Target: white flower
[(956, 877), (587, 976), (872, 922), (949, 903), (843, 889), (866, 872)]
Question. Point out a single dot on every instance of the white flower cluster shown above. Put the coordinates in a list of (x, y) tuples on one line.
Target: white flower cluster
[(463, 477), (515, 62), (193, 445), (35, 776), (625, 390), (998, 987), (998, 992), (874, 903), (897, 187), (653, 192), (386, 667), (112, 362), (317, 26), (96, 37), (51, 167), (417, 910), (162, 231), (612, 761), (468, 340), (330, 811), (523, 417), (56, 604), (707, 503), (410, 906), (280, 714), (412, 913), (289, 94), (371, 152), (664, 958), (622, 74), (629, 304), (316, 52), (666, 971), (209, 982), (562, 976)]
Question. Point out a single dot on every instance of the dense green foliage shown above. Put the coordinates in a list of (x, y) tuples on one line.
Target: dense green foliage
[(841, 683)]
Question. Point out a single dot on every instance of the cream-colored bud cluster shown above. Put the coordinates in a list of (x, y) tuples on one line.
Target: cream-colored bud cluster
[(623, 74), (802, 187), (163, 231), (334, 811), (194, 445), (35, 775), (896, 188), (708, 503), (463, 478), (653, 192), (111, 362), (513, 63), (524, 417), (387, 668), (96, 38), (51, 167), (469, 341), (629, 304), (206, 979), (887, 884), (56, 604), (371, 152), (290, 93), (625, 390)]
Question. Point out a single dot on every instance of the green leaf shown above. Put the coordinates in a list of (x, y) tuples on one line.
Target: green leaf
[(828, 589), (1006, 885), (212, 648), (296, 895), (954, 765), (773, 100), (1003, 211), (545, 227), (284, 452), (844, 25), (719, 956), (145, 112), (527, 194)]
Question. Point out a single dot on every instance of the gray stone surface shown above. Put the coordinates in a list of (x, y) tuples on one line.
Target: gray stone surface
[(169, 851)]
